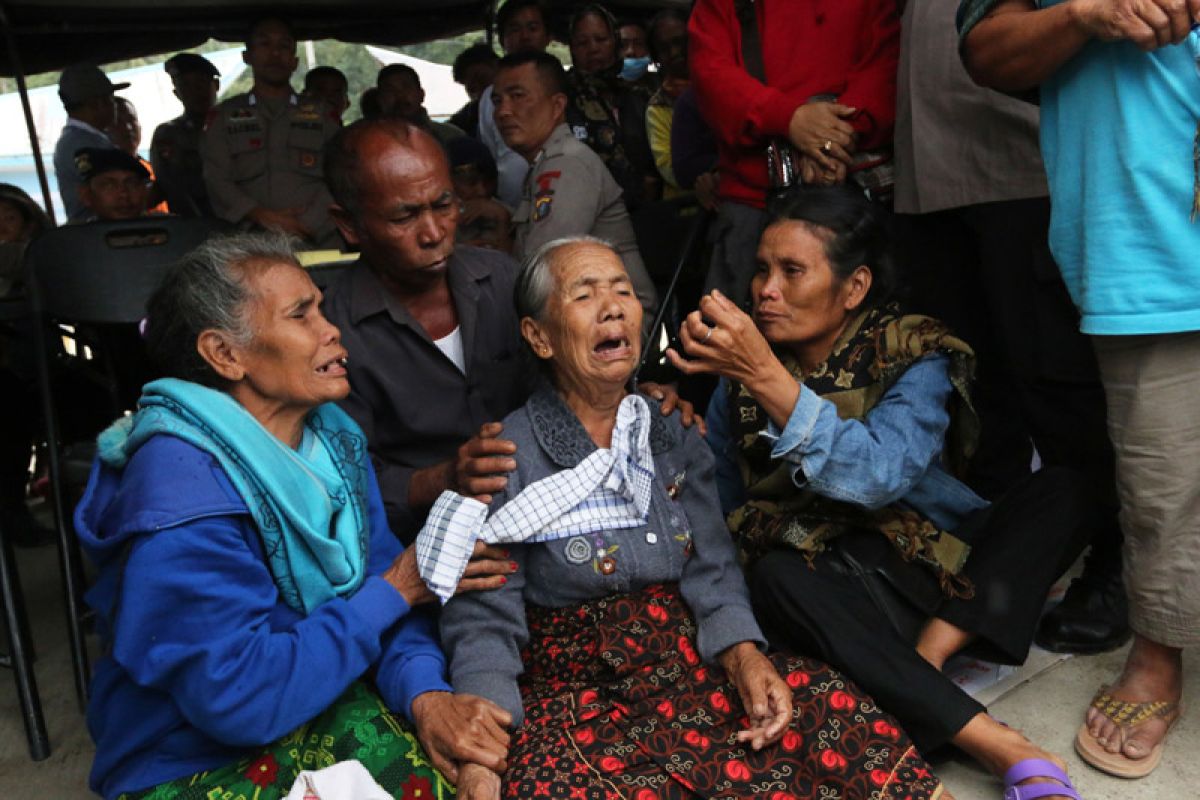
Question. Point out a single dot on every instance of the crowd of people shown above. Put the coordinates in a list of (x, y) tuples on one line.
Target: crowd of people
[(427, 523)]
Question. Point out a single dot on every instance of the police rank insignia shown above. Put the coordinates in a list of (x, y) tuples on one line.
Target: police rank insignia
[(545, 194)]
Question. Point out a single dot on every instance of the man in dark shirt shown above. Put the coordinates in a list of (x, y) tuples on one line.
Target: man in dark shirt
[(175, 146), (436, 356), (431, 330)]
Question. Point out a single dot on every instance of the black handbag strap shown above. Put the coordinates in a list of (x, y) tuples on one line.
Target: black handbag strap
[(752, 57)]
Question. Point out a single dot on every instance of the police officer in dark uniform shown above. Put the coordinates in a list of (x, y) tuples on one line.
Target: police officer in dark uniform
[(262, 150), (175, 146)]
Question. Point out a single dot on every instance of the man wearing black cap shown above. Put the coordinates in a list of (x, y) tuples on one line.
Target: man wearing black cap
[(113, 184), (87, 95), (175, 146)]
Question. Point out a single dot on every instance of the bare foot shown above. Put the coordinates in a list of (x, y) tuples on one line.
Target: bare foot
[(998, 748), (1152, 672)]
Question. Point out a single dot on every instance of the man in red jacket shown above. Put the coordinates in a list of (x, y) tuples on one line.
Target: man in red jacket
[(830, 91)]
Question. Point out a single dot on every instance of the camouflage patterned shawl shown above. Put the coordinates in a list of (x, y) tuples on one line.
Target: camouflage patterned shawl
[(870, 355)]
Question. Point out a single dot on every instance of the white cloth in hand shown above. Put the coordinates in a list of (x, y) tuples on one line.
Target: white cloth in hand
[(608, 490)]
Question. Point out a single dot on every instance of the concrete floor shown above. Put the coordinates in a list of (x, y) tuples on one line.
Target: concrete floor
[(1047, 709)]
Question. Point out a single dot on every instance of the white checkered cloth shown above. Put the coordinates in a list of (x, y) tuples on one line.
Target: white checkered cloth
[(609, 490)]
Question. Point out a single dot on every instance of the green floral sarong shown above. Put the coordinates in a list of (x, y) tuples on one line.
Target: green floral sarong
[(358, 726)]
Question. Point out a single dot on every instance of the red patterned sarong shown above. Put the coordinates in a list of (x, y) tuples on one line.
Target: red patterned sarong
[(618, 706)]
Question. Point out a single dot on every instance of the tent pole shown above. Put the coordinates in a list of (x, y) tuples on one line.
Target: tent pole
[(14, 58), (489, 33)]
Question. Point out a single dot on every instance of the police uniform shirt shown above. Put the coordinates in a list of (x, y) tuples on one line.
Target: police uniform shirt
[(569, 192), (178, 167), (267, 152)]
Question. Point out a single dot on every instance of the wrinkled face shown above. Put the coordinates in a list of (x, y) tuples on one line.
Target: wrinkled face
[(633, 41), (798, 300), (126, 131), (295, 358), (670, 42), (116, 194), (478, 77), (407, 211), (332, 91), (401, 95), (593, 47), (591, 327), (526, 113), (525, 31), (271, 53), (197, 92), (12, 223)]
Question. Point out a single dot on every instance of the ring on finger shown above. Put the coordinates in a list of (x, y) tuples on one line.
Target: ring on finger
[(708, 335), (827, 148)]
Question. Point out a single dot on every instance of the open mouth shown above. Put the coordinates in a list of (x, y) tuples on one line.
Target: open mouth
[(335, 367), (614, 348)]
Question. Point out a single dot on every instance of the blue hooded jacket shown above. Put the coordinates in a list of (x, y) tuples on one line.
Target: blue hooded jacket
[(203, 660)]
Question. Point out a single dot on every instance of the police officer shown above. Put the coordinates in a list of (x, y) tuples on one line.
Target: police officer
[(568, 190), (175, 146), (262, 150)]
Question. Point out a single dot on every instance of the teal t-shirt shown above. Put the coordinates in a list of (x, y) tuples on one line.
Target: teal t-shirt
[(1119, 132)]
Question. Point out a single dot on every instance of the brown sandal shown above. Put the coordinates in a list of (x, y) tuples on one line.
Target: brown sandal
[(1127, 716)]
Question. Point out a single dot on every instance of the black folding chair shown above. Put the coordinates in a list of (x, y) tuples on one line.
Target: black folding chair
[(20, 643), (95, 274)]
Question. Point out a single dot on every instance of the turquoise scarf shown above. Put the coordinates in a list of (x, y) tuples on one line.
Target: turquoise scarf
[(311, 513)]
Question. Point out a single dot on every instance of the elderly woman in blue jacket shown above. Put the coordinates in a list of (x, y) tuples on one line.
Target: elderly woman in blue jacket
[(258, 616), (837, 426), (624, 646)]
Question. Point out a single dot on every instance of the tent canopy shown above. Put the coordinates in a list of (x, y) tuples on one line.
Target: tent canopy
[(53, 33)]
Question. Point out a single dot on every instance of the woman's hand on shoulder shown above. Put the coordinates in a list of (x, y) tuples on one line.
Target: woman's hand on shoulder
[(477, 782), (489, 568), (461, 729), (766, 697)]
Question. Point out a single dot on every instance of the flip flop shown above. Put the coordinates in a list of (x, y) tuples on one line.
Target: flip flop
[(1037, 768), (1127, 716)]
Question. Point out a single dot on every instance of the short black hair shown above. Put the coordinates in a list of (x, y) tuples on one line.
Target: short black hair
[(510, 9), (317, 73), (856, 231), (396, 69), (260, 21), (549, 69), (472, 56), (368, 103)]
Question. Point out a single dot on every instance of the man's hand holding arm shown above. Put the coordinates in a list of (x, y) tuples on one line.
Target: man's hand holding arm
[(477, 471)]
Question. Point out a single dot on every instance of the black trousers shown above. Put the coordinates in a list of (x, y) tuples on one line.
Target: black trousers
[(1019, 546), (986, 270)]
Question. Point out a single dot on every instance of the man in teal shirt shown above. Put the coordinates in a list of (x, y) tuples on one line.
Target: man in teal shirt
[(1120, 95)]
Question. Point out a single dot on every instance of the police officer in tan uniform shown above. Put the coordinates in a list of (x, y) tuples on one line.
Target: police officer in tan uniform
[(568, 190), (175, 146), (262, 150)]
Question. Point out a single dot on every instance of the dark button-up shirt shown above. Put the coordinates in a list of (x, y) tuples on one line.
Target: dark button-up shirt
[(413, 403), (178, 167)]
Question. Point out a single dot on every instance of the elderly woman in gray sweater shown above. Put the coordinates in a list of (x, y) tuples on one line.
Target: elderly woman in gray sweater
[(624, 645)]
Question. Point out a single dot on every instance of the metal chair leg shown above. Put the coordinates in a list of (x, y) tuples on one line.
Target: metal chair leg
[(20, 653), (70, 566)]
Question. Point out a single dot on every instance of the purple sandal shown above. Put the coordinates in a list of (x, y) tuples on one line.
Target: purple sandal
[(1037, 768)]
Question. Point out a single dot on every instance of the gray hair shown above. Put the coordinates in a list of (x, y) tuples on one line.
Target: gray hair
[(208, 290), (535, 281)]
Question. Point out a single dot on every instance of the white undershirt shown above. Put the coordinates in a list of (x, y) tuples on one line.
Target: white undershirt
[(452, 346)]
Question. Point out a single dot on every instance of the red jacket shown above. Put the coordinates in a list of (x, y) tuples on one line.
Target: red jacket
[(848, 48)]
